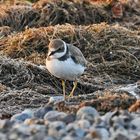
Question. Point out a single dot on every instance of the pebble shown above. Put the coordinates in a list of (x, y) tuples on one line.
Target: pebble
[(69, 118), (136, 123), (54, 116), (3, 136), (56, 99), (84, 124), (100, 133), (26, 114), (88, 113), (4, 124), (40, 113), (46, 123)]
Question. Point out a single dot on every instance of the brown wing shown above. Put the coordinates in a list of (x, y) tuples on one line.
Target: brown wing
[(77, 55)]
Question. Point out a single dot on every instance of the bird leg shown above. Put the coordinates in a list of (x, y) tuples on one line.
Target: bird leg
[(64, 92), (74, 87)]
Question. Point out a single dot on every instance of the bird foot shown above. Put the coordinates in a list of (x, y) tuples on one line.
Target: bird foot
[(70, 95)]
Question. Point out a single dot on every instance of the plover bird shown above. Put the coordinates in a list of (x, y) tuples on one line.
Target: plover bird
[(66, 62)]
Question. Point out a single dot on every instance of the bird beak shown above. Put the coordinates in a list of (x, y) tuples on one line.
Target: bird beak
[(50, 53)]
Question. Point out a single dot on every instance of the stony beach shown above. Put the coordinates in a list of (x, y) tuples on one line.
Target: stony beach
[(106, 102), (46, 123)]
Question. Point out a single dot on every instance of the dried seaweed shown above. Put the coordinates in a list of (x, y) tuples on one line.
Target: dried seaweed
[(112, 51)]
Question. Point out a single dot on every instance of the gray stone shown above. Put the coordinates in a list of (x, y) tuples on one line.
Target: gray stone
[(100, 133), (136, 123), (49, 138), (74, 130), (71, 138), (42, 111), (26, 114), (54, 116), (84, 124), (119, 136), (58, 125), (5, 124), (3, 136), (88, 113), (56, 129), (69, 118)]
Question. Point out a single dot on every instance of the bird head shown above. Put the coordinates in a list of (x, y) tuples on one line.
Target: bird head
[(56, 49)]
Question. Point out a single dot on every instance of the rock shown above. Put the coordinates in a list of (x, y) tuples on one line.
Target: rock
[(13, 136), (54, 116), (88, 113), (4, 124), (136, 123), (119, 136), (22, 129), (137, 138), (3, 136), (84, 124), (58, 125), (99, 133), (56, 129), (74, 130), (26, 114), (56, 99), (70, 138), (33, 121), (71, 126), (48, 138), (121, 121), (107, 117), (69, 118), (42, 111)]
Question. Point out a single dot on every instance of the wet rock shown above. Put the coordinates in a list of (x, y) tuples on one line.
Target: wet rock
[(54, 116), (88, 113), (42, 111)]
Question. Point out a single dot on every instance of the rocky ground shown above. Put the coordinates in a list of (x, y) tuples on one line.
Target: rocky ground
[(106, 103)]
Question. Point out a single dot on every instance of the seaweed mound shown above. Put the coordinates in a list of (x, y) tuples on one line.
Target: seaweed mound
[(26, 85), (112, 51)]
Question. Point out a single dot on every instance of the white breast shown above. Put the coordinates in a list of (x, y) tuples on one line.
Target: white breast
[(67, 69)]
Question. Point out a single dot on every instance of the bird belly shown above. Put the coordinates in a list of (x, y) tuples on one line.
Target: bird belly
[(67, 70)]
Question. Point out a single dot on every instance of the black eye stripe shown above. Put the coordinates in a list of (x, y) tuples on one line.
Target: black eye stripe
[(58, 50), (52, 53)]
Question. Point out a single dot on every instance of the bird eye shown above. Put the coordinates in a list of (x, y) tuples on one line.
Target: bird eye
[(59, 49)]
